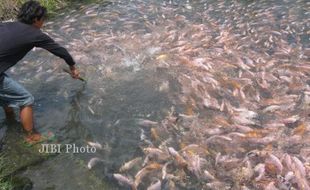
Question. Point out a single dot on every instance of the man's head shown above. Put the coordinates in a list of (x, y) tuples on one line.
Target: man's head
[(32, 13)]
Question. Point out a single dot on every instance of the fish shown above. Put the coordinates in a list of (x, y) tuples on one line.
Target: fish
[(208, 176), (211, 103), (271, 186), (291, 119), (299, 166), (154, 134), (124, 181), (93, 161), (289, 176), (146, 123), (95, 144), (218, 137), (194, 165), (226, 160), (272, 159), (162, 57), (300, 130), (236, 134), (195, 148), (260, 169), (128, 165), (155, 152), (91, 110), (164, 170), (144, 138), (146, 160), (181, 162), (271, 108), (145, 171), (263, 141), (155, 186), (163, 144)]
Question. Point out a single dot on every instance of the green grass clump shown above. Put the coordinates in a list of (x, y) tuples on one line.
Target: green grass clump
[(9, 8), (5, 184), (53, 5)]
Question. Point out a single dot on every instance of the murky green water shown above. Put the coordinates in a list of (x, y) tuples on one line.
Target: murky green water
[(128, 52)]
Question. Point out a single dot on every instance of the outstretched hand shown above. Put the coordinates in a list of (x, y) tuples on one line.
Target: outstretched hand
[(74, 73)]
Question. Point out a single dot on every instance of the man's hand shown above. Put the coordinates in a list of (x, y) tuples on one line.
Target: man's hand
[(74, 72)]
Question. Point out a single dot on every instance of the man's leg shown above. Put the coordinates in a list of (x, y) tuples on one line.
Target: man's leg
[(9, 113), (26, 118), (12, 94)]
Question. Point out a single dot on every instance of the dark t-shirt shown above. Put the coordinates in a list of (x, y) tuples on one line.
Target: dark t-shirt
[(17, 39)]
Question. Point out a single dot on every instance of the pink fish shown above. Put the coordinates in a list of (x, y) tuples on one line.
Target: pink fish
[(271, 186), (272, 159), (146, 123), (260, 169), (124, 181)]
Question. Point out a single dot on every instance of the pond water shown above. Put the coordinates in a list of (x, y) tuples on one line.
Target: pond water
[(143, 58)]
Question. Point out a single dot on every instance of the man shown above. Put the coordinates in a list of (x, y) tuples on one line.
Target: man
[(16, 40)]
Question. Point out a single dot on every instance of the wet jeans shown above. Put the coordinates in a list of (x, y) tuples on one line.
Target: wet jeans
[(12, 94)]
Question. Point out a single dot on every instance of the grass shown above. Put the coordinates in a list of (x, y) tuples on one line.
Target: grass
[(9, 8), (5, 184)]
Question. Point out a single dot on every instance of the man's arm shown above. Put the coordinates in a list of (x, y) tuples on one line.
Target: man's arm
[(46, 42)]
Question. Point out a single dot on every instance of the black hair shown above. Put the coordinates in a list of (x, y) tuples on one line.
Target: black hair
[(30, 11)]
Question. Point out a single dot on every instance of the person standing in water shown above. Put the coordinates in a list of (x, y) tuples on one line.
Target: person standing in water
[(16, 40)]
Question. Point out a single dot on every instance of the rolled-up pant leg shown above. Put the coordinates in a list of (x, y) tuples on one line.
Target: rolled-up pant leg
[(12, 94)]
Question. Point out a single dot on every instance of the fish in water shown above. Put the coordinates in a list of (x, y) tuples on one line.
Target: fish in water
[(155, 186), (178, 158), (124, 181), (146, 123), (145, 171), (97, 145), (93, 161), (156, 152), (239, 70), (272, 159), (128, 165), (164, 170)]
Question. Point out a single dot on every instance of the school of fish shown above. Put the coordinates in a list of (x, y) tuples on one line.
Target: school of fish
[(243, 72)]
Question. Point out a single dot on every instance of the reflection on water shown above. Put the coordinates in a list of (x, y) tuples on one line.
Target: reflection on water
[(142, 57)]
